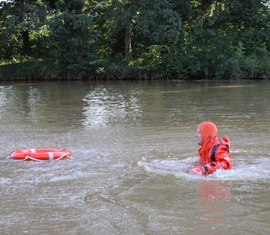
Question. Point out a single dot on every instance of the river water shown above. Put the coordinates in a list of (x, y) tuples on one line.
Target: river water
[(133, 143)]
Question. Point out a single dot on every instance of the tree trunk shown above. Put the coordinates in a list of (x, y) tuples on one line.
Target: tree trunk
[(128, 47), (26, 44)]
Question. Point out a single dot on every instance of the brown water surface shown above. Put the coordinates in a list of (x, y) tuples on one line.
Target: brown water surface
[(132, 145)]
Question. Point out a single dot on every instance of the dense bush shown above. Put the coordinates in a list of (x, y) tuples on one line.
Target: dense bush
[(203, 39)]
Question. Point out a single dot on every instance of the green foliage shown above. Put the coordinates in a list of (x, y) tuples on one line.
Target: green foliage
[(150, 23), (71, 41), (20, 21), (30, 69), (198, 39), (227, 39)]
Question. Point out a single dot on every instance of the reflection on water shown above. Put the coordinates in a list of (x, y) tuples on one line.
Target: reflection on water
[(215, 201), (34, 103), (133, 144), (103, 107)]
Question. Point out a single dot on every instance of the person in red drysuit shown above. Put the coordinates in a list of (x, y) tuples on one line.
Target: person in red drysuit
[(214, 153)]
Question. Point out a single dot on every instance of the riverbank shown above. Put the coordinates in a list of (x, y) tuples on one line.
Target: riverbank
[(50, 70)]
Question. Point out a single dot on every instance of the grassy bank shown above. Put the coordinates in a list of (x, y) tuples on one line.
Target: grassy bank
[(51, 70)]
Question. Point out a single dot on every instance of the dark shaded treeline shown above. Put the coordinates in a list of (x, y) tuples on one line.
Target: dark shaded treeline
[(140, 39)]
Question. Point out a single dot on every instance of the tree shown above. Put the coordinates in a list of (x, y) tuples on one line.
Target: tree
[(71, 41), (144, 23), (198, 38), (227, 39)]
